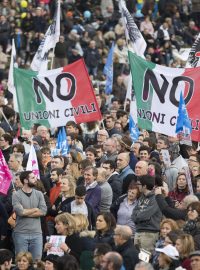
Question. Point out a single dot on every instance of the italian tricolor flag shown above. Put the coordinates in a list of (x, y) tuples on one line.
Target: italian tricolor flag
[(54, 97), (157, 90)]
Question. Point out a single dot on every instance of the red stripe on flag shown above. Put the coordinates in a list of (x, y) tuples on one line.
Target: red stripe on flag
[(84, 101)]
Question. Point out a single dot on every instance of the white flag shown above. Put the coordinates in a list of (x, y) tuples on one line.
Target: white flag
[(40, 60), (194, 55), (133, 34), (11, 86), (32, 164)]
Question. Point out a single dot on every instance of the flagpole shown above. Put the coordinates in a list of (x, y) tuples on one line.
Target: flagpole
[(52, 58), (6, 119)]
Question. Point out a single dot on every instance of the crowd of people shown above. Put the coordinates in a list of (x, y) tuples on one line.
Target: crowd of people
[(109, 203)]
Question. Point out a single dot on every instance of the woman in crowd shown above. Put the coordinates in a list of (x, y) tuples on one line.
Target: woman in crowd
[(167, 225), (74, 158), (185, 245), (123, 207), (66, 225), (105, 225), (66, 195), (180, 191), (192, 225), (67, 262), (168, 258), (24, 261), (51, 262)]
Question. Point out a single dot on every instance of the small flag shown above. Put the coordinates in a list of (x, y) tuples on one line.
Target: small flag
[(183, 122), (108, 71), (134, 131), (133, 34), (194, 55), (40, 60), (62, 145), (5, 175), (11, 87), (32, 164)]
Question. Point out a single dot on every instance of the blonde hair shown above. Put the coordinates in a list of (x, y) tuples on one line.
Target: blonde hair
[(70, 179), (82, 222), (68, 220), (187, 242), (172, 223), (27, 255)]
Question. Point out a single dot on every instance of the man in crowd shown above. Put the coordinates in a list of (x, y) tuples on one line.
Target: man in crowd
[(5, 259), (112, 261), (106, 191), (113, 178), (125, 247), (93, 191), (195, 260), (29, 205), (126, 174), (147, 215)]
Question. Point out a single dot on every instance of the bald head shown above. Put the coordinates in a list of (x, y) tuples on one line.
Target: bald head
[(112, 260), (123, 160), (141, 168)]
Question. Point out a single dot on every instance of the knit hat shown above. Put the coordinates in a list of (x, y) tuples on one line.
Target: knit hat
[(170, 251), (195, 253), (126, 142)]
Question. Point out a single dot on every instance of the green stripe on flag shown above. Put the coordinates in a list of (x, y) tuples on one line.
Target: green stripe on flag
[(26, 97), (138, 68)]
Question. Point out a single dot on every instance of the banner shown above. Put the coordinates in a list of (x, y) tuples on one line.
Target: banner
[(32, 164), (11, 87), (157, 89), (194, 55), (133, 34), (5, 175), (40, 60), (56, 96)]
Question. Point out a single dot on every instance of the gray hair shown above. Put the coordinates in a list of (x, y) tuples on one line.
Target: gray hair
[(189, 199)]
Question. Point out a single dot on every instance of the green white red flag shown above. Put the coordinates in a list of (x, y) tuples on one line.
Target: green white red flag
[(157, 90), (54, 97)]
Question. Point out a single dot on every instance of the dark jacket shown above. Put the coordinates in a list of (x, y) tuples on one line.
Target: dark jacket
[(107, 237), (129, 254), (168, 211), (91, 215), (60, 206), (146, 214), (93, 197), (192, 227), (116, 185)]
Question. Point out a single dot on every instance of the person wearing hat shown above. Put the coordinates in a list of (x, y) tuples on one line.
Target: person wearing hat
[(168, 258), (51, 262), (195, 260)]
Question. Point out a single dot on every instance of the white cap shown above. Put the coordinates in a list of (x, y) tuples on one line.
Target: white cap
[(170, 251)]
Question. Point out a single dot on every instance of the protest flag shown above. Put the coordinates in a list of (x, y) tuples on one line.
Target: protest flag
[(108, 71), (133, 34), (32, 164), (62, 147), (5, 175), (51, 37), (183, 123), (11, 86), (194, 55), (56, 96), (157, 89), (134, 131)]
